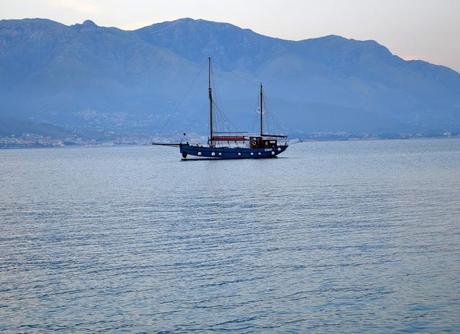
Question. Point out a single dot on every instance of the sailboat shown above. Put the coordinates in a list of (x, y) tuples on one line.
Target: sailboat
[(235, 146)]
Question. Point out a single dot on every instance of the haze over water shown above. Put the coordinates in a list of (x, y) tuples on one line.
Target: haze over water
[(331, 237)]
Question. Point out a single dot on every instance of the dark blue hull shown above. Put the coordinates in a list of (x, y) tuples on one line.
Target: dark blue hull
[(230, 152)]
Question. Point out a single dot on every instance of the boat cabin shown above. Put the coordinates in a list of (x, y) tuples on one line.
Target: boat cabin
[(261, 142)]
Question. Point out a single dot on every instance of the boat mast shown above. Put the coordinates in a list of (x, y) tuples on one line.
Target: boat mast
[(261, 109), (210, 103)]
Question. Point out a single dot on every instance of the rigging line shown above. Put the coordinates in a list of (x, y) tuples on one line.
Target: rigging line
[(276, 121), (216, 93), (253, 119), (178, 105), (221, 116), (268, 116)]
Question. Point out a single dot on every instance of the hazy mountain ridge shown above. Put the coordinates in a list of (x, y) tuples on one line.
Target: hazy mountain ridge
[(153, 80)]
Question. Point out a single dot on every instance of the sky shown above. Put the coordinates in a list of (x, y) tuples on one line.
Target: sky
[(412, 29)]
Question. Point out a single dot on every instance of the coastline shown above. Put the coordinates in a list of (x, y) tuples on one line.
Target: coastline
[(144, 141)]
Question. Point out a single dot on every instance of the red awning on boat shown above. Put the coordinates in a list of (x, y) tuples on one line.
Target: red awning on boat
[(229, 138)]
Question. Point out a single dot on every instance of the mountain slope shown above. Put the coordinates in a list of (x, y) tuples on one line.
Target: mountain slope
[(153, 80)]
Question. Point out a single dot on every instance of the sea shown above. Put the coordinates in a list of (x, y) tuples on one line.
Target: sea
[(331, 237)]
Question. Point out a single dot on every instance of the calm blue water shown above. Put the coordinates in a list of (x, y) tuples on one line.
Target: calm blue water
[(338, 237)]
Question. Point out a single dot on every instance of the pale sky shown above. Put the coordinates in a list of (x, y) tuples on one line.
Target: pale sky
[(412, 29)]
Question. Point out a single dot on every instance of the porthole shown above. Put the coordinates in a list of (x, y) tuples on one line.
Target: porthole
[(239, 153), (199, 153), (213, 153)]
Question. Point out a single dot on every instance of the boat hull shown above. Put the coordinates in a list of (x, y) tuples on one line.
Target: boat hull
[(230, 152)]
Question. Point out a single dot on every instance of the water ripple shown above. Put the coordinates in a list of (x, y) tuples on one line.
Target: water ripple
[(336, 237)]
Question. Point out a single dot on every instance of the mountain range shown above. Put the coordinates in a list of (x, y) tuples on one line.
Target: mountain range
[(88, 79)]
